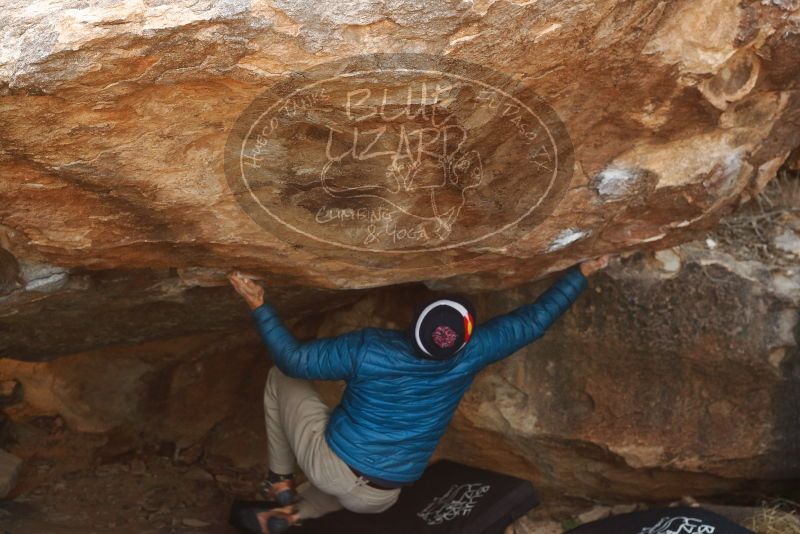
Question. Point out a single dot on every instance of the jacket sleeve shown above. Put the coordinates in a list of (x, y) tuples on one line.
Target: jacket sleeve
[(333, 358), (505, 334)]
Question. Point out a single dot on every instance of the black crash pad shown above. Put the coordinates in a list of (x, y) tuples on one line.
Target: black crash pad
[(450, 498), (680, 520)]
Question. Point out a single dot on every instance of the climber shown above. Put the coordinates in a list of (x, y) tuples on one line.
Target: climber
[(403, 387)]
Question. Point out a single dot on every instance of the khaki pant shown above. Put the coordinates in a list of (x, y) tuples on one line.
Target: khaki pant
[(296, 421)]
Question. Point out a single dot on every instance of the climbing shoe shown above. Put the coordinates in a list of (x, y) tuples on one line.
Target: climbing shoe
[(279, 489)]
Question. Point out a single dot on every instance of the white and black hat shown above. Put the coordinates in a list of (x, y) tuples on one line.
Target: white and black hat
[(442, 327)]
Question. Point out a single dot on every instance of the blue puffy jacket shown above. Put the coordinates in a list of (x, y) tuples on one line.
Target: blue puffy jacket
[(396, 405)]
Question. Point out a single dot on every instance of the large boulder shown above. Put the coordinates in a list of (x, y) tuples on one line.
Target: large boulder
[(571, 131)]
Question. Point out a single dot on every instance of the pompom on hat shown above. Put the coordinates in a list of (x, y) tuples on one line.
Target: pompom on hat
[(442, 327)]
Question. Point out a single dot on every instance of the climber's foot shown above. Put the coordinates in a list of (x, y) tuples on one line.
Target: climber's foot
[(277, 520), (279, 489)]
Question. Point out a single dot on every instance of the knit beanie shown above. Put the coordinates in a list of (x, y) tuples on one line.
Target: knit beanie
[(442, 326)]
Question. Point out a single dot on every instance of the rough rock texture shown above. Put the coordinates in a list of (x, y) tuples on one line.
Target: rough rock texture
[(9, 471), (66, 311), (115, 118), (185, 385)]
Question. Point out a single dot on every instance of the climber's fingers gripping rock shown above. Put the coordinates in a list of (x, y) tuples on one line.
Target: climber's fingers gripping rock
[(252, 293), (590, 266)]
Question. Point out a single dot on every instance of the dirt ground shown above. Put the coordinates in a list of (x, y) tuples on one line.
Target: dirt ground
[(77, 485), (147, 492), (73, 483)]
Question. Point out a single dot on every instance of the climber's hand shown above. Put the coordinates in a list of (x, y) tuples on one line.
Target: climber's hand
[(252, 293), (590, 266)]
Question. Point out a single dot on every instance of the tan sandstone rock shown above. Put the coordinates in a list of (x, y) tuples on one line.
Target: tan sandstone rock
[(115, 119)]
